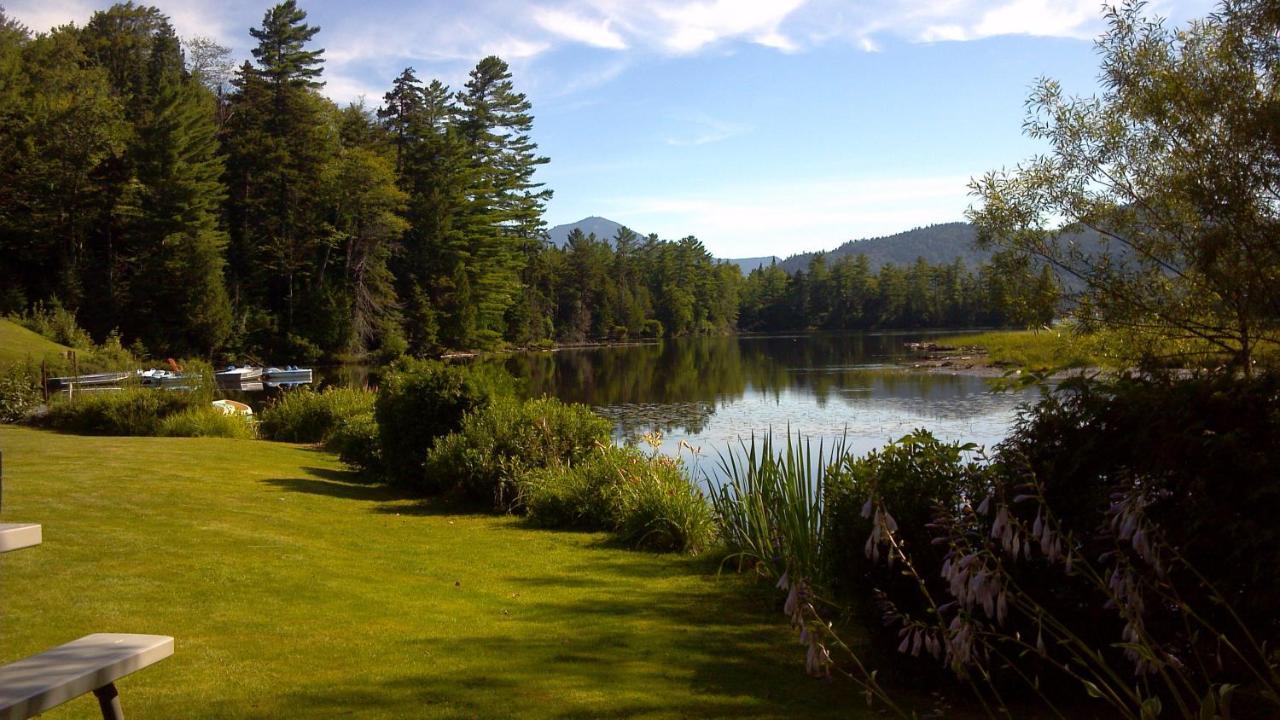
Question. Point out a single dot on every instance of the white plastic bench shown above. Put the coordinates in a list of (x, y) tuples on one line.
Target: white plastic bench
[(93, 663)]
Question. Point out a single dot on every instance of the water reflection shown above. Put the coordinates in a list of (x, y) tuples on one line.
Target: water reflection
[(712, 391)]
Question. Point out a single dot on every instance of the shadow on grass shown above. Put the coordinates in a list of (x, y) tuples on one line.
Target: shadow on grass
[(340, 484), (616, 647)]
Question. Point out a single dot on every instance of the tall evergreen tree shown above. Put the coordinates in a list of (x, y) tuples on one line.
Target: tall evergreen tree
[(159, 241), (504, 219), (279, 143)]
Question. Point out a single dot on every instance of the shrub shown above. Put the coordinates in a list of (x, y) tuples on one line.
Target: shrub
[(914, 476), (307, 416), (501, 441), (205, 421), (57, 323), (661, 509), (355, 440), (584, 496), (19, 392), (421, 400), (649, 501), (1124, 541), (131, 411)]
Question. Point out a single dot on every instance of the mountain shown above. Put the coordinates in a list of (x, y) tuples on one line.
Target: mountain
[(603, 228), (746, 265), (937, 244)]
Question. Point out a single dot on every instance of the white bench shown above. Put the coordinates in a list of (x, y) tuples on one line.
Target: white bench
[(93, 663), (15, 536)]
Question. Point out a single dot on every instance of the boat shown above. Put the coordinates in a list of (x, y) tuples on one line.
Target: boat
[(233, 374), (232, 407), (107, 378), (287, 374), (158, 378)]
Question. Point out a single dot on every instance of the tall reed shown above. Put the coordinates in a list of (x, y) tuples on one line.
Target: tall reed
[(769, 505)]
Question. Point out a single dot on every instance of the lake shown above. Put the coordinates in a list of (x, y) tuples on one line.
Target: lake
[(713, 391)]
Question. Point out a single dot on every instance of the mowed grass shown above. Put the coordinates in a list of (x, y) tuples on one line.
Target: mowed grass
[(294, 591), (18, 344)]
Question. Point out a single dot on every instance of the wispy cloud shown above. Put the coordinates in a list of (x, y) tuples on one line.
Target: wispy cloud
[(705, 130)]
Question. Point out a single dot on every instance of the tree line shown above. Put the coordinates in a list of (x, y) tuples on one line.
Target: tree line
[(846, 294), (194, 207)]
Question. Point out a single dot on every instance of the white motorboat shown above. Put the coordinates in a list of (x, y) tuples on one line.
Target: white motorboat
[(157, 378), (233, 374), (287, 374)]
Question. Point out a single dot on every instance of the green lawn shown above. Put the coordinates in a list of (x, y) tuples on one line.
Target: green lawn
[(293, 591), (18, 343)]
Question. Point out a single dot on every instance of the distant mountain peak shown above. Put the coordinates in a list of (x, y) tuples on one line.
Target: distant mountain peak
[(602, 228)]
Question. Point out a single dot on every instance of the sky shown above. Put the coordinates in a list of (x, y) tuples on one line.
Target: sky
[(762, 127)]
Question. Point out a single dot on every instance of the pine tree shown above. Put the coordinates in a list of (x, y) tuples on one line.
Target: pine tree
[(403, 113), (178, 299), (504, 220), (280, 140)]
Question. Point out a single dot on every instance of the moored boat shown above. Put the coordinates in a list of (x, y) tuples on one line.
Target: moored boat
[(107, 378), (233, 374), (156, 378), (287, 374)]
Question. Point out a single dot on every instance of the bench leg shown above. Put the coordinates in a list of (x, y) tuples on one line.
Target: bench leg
[(109, 701)]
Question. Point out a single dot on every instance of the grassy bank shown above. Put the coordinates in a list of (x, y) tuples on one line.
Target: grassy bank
[(17, 344), (1036, 349), (294, 591)]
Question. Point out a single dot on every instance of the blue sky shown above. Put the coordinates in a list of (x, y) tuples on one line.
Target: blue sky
[(760, 126)]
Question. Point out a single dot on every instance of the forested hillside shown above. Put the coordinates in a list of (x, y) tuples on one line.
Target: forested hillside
[(937, 244)]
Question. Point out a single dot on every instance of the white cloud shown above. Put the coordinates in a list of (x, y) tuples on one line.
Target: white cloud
[(686, 27), (784, 217), (963, 20), (580, 29)]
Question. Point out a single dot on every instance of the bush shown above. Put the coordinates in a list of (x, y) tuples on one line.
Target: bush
[(307, 416), (584, 496), (1124, 530), (501, 441), (914, 476), (131, 411), (56, 323), (1203, 452), (421, 400), (662, 510), (649, 501), (205, 421), (19, 392), (355, 440)]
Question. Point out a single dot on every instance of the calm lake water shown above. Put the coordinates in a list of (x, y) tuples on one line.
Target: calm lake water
[(712, 392)]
